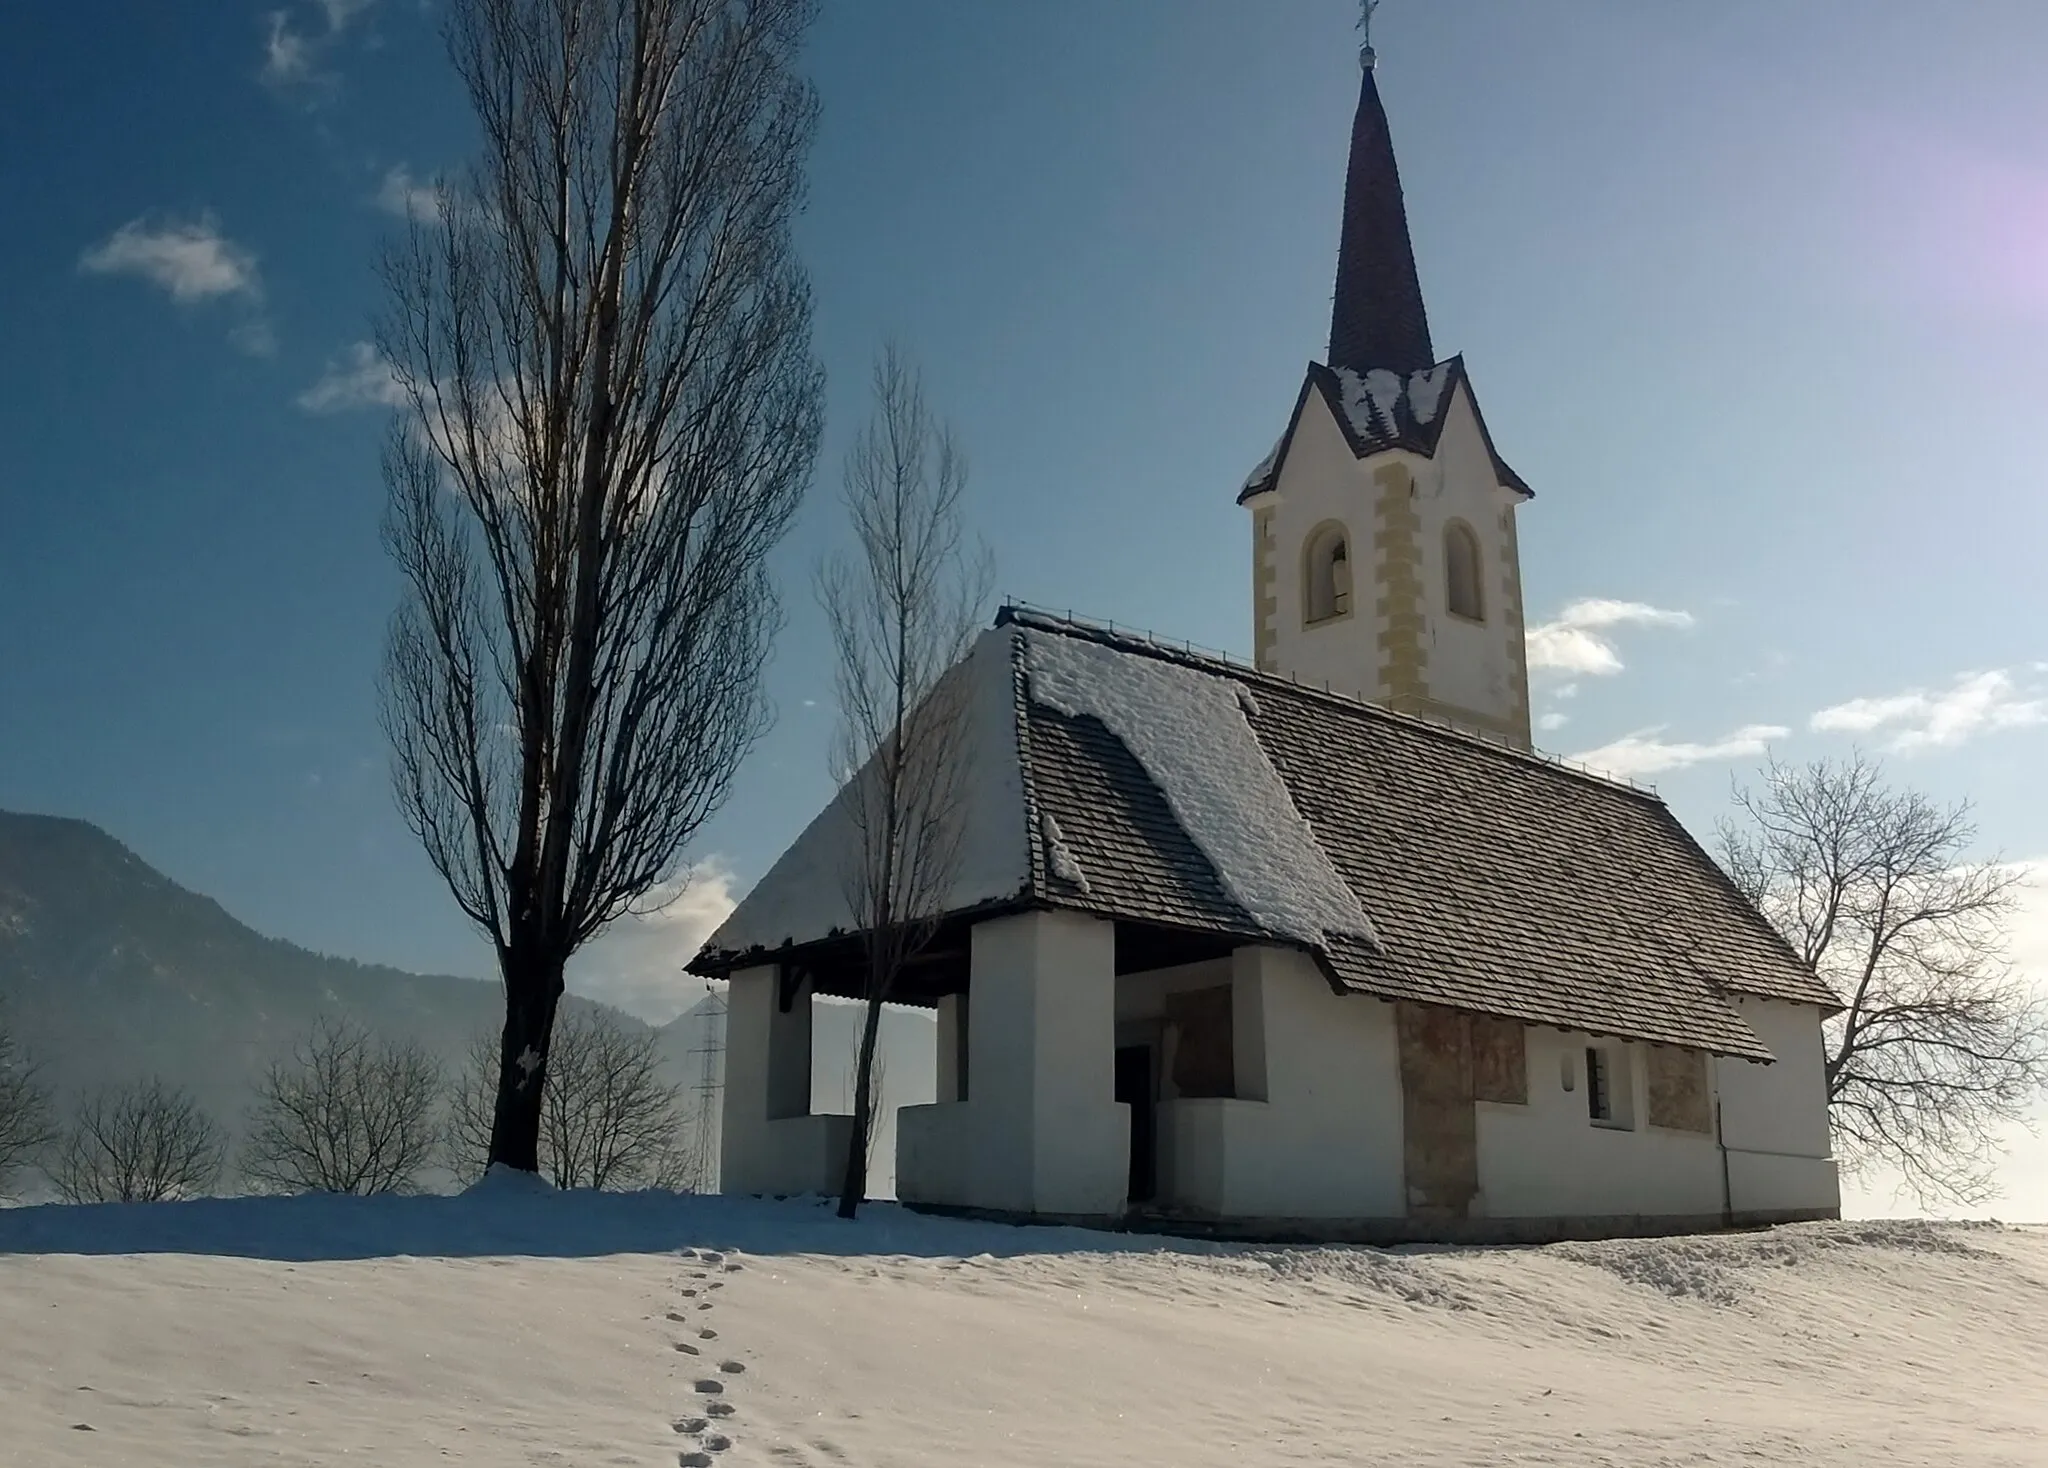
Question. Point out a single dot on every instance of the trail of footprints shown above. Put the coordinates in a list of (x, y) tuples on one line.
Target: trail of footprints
[(707, 1427)]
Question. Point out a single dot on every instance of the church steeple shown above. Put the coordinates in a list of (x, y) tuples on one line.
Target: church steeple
[(1378, 318), (1384, 558)]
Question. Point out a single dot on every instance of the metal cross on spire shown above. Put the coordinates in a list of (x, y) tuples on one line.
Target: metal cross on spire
[(1367, 57)]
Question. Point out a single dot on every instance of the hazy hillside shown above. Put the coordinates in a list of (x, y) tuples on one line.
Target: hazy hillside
[(113, 971)]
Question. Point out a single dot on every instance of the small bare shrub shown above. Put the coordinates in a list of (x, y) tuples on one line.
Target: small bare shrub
[(141, 1143)]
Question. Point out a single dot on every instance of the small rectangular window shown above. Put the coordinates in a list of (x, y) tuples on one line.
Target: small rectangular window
[(1610, 1090)]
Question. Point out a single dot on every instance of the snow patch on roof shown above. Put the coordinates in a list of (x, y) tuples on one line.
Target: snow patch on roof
[(1264, 472), (1060, 855), (1373, 401), (1426, 391), (1190, 732)]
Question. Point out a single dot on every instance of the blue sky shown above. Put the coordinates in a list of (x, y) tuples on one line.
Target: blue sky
[(1756, 296)]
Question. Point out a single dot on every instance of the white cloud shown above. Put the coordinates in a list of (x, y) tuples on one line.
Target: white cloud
[(1976, 703), (292, 57), (1646, 753), (190, 259), (408, 197), (1553, 721), (359, 378), (340, 12), (288, 56), (1579, 641), (193, 263), (638, 964)]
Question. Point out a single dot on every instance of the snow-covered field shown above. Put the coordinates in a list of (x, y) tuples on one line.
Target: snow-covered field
[(572, 1329)]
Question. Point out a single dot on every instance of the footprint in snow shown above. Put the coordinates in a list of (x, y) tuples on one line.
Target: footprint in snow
[(706, 1334), (710, 1386), (693, 1425), (687, 1349), (721, 1409), (732, 1368)]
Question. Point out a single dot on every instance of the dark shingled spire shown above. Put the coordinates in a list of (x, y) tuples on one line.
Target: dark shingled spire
[(1378, 319)]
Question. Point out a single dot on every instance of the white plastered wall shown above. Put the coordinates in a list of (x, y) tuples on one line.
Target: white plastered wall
[(1321, 481), (1325, 1142), (1471, 665), (1551, 1159), (1774, 1118), (1040, 1131), (769, 1141)]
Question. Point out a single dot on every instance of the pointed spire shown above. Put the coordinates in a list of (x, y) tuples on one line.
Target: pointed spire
[(1378, 319)]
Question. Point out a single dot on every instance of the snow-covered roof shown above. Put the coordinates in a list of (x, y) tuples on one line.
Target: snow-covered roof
[(1140, 782), (1380, 410)]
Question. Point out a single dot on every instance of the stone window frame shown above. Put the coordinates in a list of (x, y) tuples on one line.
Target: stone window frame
[(1461, 543), (1323, 571)]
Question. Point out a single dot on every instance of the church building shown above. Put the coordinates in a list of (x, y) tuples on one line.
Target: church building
[(1317, 947)]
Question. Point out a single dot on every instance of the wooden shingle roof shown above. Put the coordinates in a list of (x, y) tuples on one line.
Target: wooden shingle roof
[(1497, 881)]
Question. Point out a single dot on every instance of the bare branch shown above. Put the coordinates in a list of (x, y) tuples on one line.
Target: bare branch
[(903, 605), (27, 1127), (144, 1143), (350, 1114), (1941, 1043), (608, 1119), (604, 343)]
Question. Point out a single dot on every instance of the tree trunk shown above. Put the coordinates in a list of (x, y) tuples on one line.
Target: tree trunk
[(854, 1191), (533, 988)]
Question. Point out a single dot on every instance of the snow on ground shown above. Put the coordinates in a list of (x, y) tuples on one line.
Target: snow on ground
[(575, 1329)]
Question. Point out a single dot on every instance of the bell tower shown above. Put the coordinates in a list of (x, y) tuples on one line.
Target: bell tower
[(1384, 561)]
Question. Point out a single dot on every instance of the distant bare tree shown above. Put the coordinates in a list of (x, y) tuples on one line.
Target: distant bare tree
[(1941, 1042), (903, 606), (142, 1143), (349, 1114), (608, 1119), (26, 1121), (611, 414)]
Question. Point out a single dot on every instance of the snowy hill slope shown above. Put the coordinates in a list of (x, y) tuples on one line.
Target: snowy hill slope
[(582, 1330)]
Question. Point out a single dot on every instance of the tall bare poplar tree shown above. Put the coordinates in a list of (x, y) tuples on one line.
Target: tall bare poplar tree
[(903, 605), (604, 344), (1941, 1043)]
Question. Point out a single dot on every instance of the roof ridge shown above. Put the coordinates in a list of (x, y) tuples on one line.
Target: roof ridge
[(1188, 654)]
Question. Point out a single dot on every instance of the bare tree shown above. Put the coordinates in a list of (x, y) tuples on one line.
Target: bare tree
[(142, 1143), (1941, 1041), (903, 605), (603, 343), (878, 1093), (608, 1118), (350, 1114), (26, 1126)]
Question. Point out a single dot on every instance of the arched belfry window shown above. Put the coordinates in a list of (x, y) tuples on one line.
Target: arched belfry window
[(1326, 579), (1462, 594)]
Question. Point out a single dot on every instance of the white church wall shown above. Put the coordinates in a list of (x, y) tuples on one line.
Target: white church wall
[(1326, 1140), (1040, 1131), (1551, 1159), (769, 1142), (1321, 481), (1774, 1118), (1470, 664)]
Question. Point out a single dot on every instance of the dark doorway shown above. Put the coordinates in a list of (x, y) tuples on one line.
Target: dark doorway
[(1134, 1088)]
